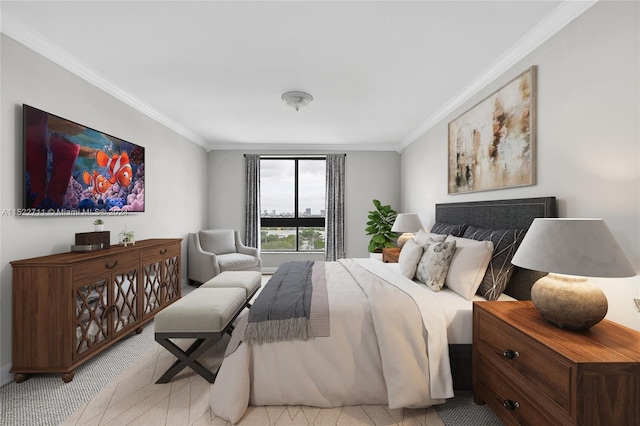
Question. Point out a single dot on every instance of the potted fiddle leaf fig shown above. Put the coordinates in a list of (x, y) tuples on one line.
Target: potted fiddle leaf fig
[(379, 226)]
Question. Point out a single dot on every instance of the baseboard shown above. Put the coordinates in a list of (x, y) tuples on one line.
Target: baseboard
[(269, 270), (5, 376)]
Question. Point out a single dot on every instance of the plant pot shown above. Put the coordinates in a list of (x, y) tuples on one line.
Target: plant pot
[(98, 228)]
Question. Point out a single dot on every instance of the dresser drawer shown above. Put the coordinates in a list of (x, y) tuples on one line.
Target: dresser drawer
[(516, 354), (104, 265), (508, 401), (159, 252)]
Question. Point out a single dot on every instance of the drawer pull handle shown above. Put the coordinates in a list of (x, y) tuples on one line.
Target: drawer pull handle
[(510, 405), (510, 354), (106, 265), (163, 251)]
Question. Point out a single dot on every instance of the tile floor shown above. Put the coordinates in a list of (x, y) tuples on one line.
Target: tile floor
[(133, 398)]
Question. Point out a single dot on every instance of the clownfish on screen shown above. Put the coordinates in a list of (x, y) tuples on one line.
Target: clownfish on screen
[(99, 183), (119, 167)]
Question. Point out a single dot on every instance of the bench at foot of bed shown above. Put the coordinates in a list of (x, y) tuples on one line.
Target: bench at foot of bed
[(205, 314), (250, 281)]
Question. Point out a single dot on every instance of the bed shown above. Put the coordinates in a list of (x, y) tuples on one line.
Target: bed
[(375, 349)]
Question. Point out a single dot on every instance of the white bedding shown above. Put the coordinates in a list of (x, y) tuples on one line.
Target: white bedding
[(380, 336), (458, 311)]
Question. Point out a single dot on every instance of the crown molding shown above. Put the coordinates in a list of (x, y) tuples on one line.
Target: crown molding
[(239, 146), (16, 30), (560, 17)]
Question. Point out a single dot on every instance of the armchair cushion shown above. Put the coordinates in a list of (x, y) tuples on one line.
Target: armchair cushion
[(236, 261), (218, 241)]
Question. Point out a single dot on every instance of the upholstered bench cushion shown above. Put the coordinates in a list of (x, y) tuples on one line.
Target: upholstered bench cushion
[(202, 310), (250, 281)]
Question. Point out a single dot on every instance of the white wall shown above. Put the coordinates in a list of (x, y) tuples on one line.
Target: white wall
[(588, 137), (176, 171), (368, 175)]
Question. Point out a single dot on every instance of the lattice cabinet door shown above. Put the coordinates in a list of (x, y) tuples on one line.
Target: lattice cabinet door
[(91, 319), (152, 279), (171, 271), (106, 302), (161, 276), (124, 314)]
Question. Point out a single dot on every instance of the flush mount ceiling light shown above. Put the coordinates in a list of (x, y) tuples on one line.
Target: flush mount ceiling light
[(297, 100)]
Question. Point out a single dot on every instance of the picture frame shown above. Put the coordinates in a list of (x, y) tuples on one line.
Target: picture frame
[(493, 144)]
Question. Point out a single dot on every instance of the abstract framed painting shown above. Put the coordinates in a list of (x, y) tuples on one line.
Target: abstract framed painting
[(492, 145)]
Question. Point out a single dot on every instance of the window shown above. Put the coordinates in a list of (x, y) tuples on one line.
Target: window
[(292, 204)]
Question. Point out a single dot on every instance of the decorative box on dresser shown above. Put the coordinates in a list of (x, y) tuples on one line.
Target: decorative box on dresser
[(68, 307), (531, 372)]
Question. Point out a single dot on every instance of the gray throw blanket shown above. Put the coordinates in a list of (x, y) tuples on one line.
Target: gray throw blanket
[(282, 310), (318, 315)]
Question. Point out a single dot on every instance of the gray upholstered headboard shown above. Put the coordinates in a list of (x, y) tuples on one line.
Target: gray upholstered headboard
[(502, 214)]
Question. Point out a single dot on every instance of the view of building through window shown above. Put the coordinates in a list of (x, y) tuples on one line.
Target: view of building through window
[(292, 204)]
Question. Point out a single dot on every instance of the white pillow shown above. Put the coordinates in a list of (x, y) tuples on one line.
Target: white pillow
[(423, 237), (468, 265), (409, 257)]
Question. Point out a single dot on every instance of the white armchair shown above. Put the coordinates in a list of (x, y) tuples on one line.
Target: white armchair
[(215, 250)]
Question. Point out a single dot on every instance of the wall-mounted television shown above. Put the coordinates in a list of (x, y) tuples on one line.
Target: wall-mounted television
[(69, 167)]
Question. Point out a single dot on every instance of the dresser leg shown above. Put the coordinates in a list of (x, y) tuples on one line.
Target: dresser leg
[(478, 400), (67, 377), (139, 329), (20, 377)]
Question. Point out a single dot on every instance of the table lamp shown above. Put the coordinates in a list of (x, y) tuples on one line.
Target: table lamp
[(570, 250), (407, 223)]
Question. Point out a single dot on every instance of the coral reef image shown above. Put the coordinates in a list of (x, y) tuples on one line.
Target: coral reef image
[(70, 167)]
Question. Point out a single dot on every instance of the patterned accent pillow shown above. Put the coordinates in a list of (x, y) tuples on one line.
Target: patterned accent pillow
[(505, 243), (449, 229), (434, 264)]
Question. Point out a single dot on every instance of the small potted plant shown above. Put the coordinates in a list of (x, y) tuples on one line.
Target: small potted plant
[(98, 225), (127, 237)]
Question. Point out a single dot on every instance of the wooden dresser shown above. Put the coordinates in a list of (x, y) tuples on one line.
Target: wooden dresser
[(531, 372), (69, 307)]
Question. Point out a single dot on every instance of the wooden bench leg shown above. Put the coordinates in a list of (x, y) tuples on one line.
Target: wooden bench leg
[(187, 358)]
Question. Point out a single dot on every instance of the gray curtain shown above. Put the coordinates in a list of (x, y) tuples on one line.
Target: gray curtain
[(334, 239), (252, 209)]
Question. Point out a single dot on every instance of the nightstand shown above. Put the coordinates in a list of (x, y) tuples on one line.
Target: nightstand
[(531, 372), (390, 255)]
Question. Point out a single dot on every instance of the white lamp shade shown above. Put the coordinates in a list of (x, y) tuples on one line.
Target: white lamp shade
[(581, 247), (407, 222)]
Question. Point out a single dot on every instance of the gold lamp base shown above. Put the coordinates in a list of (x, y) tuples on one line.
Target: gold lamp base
[(569, 302)]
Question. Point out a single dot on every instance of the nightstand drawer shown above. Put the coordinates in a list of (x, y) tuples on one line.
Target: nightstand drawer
[(586, 378), (507, 399), (516, 354)]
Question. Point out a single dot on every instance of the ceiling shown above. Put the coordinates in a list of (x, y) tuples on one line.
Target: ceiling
[(380, 72)]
